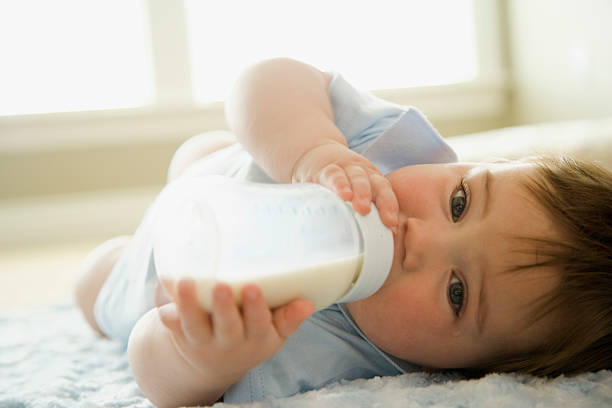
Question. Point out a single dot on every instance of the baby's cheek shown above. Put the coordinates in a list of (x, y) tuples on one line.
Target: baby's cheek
[(418, 310)]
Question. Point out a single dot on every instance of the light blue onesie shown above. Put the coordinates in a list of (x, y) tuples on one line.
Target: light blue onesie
[(328, 346)]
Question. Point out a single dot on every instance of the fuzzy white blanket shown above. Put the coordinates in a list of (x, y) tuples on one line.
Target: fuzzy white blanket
[(50, 358)]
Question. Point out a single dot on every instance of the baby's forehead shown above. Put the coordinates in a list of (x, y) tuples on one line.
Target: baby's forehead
[(501, 166), (511, 178)]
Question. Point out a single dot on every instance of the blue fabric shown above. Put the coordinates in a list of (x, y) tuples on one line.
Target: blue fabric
[(391, 136), (328, 346), (361, 116)]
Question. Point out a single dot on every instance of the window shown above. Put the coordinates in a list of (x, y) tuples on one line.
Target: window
[(72, 55), (158, 68), (382, 44)]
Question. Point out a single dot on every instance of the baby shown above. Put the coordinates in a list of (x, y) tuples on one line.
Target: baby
[(501, 266)]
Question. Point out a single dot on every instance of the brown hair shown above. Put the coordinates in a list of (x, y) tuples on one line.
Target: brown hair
[(577, 195)]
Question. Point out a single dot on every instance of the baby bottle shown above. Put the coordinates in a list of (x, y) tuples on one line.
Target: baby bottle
[(293, 240)]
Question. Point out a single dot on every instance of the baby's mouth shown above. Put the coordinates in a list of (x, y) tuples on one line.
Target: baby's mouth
[(399, 244), (403, 244)]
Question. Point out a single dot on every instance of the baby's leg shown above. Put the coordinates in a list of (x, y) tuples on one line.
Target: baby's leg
[(92, 274), (99, 263), (197, 147)]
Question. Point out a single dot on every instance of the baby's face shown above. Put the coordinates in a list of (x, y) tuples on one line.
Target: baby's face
[(448, 302)]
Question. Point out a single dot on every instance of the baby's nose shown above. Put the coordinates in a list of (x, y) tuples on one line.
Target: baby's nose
[(418, 243)]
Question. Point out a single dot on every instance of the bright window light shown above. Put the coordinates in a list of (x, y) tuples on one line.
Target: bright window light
[(376, 45), (69, 55)]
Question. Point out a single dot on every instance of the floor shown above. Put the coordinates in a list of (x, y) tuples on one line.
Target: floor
[(41, 274)]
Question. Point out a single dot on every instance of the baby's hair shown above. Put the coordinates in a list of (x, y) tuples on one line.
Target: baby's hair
[(577, 195)]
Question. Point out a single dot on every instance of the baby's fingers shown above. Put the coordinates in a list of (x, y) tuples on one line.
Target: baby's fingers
[(362, 189), (195, 322), (385, 199), (334, 177), (169, 317), (257, 315), (287, 319), (226, 318)]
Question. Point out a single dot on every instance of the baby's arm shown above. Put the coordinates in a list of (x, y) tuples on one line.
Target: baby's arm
[(180, 355), (281, 113)]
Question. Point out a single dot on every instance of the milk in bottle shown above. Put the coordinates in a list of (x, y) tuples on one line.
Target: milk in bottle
[(293, 240)]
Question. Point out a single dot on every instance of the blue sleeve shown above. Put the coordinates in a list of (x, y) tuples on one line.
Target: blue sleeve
[(359, 115), (389, 135)]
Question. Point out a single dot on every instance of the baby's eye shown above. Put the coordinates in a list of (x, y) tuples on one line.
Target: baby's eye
[(458, 201), (456, 294)]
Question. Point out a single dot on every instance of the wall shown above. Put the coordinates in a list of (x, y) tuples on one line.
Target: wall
[(561, 52)]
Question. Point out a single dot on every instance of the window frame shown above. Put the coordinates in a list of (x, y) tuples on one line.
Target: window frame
[(174, 114)]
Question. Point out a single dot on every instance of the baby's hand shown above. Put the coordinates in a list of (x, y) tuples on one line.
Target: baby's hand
[(227, 341), (350, 175)]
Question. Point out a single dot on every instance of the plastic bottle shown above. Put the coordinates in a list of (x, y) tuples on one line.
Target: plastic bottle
[(293, 240)]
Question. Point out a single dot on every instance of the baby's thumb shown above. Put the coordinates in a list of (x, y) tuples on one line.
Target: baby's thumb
[(288, 318), (168, 314)]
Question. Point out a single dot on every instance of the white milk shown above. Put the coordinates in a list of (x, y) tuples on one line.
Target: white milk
[(293, 240), (323, 284)]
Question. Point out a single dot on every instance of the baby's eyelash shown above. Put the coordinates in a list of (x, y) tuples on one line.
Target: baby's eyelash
[(466, 188), (459, 201), (457, 294)]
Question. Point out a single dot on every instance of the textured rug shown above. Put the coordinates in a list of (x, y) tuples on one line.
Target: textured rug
[(50, 358)]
